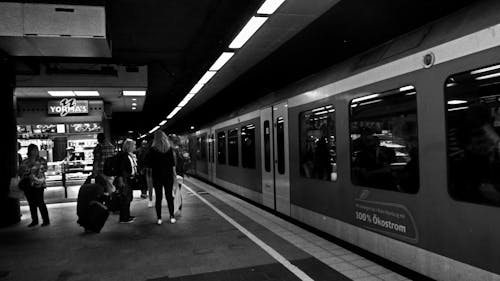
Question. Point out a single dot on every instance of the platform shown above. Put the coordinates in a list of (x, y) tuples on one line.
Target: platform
[(218, 237)]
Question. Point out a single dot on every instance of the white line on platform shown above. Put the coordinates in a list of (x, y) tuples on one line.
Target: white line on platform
[(277, 256)]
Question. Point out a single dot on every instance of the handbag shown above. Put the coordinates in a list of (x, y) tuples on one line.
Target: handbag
[(14, 189), (38, 181)]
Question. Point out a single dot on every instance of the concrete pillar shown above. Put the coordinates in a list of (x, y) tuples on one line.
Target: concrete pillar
[(9, 208)]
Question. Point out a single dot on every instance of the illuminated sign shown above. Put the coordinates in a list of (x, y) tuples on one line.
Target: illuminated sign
[(68, 106)]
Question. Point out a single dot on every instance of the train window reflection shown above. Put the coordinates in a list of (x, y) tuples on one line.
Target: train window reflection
[(318, 150), (384, 140), (232, 147), (203, 147), (248, 146), (473, 135), (280, 136), (267, 146), (221, 148)]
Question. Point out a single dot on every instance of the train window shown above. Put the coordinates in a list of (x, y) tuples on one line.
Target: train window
[(221, 148), (267, 146), (203, 148), (318, 152), (248, 146), (232, 147), (384, 140), (198, 148), (212, 148), (473, 135), (280, 136)]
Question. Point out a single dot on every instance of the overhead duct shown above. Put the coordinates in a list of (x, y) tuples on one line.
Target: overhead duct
[(53, 30)]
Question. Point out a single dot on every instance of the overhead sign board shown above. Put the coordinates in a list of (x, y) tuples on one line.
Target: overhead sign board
[(68, 107)]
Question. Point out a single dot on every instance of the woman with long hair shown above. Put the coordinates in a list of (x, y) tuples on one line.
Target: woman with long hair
[(161, 161), (32, 174)]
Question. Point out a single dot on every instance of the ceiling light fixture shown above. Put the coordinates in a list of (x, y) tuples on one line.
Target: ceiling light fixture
[(134, 93), (453, 102), (134, 108), (196, 88), (206, 77), (154, 129), (486, 69), (406, 88), (365, 98), (61, 93), (134, 99), (186, 99), (134, 104), (86, 93), (163, 122), (221, 61), (270, 6), (173, 112), (250, 28)]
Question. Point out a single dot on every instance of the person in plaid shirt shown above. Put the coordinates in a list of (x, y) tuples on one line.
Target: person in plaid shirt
[(102, 151)]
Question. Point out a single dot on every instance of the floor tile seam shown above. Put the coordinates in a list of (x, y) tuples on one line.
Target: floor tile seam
[(234, 203)]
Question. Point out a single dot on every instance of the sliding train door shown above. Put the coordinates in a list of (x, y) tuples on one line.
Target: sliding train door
[(275, 170)]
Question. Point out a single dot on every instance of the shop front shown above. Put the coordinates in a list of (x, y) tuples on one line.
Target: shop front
[(65, 131)]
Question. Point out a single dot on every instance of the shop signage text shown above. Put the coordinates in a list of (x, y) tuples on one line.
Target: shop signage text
[(68, 106)]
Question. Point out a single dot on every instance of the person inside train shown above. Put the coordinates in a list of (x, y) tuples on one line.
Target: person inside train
[(481, 153), (372, 162)]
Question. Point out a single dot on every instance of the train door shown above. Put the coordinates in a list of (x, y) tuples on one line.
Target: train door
[(275, 170)]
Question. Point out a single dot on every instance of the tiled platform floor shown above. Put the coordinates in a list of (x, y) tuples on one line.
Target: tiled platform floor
[(202, 245)]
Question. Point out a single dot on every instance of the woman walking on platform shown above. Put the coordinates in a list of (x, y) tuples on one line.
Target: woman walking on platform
[(32, 174), (161, 161)]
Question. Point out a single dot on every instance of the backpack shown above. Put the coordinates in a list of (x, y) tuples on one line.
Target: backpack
[(111, 166)]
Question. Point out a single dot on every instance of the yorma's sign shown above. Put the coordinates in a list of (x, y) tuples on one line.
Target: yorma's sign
[(68, 106)]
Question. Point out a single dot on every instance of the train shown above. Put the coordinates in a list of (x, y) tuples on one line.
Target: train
[(395, 150)]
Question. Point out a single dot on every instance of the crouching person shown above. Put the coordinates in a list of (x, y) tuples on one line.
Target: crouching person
[(92, 214)]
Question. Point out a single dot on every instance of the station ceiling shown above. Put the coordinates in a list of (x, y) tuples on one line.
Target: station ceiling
[(180, 39)]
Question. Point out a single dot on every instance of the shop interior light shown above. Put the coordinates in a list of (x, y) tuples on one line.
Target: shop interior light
[(134, 93), (134, 104), (61, 93), (221, 61), (163, 122), (250, 28), (174, 112), (86, 93), (206, 77), (270, 6), (196, 88), (186, 99), (134, 99)]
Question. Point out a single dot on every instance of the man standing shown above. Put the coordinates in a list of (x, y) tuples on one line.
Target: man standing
[(102, 151)]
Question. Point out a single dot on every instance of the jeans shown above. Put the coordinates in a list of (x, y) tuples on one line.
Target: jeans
[(34, 196)]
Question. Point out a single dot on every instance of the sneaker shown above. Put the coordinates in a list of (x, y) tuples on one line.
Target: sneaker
[(129, 220), (159, 222), (150, 204), (172, 220), (45, 223)]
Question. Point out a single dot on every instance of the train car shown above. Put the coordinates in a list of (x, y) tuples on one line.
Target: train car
[(396, 150)]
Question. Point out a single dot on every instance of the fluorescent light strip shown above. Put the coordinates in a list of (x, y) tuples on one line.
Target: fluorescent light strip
[(206, 77), (270, 6), (250, 28), (456, 102), (134, 93), (196, 88), (154, 129), (163, 122), (365, 98), (488, 76), (486, 69), (458, 108), (370, 102), (186, 99), (221, 61), (86, 93), (406, 88), (174, 112), (61, 93)]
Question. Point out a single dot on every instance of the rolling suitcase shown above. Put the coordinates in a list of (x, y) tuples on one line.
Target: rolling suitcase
[(97, 216)]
